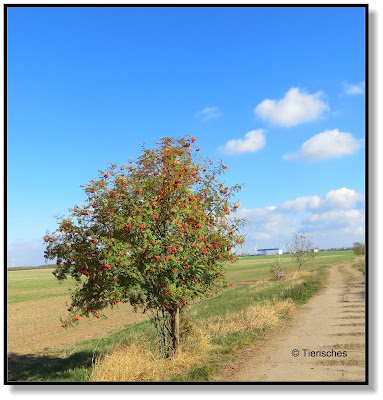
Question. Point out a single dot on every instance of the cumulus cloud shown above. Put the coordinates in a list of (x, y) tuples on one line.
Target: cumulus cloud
[(354, 89), (301, 203), (265, 225), (342, 199), (335, 220), (327, 144), (295, 108), (208, 113), (339, 199), (253, 141)]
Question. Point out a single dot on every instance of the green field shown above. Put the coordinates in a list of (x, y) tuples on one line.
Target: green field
[(251, 268), (252, 285), (35, 284)]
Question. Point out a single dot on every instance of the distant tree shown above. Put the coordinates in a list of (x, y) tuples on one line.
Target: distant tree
[(359, 248), (302, 247), (155, 233)]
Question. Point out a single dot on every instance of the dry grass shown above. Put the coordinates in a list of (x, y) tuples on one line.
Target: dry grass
[(254, 317), (296, 278), (299, 274), (136, 362)]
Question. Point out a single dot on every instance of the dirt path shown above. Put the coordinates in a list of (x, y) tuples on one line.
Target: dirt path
[(332, 321)]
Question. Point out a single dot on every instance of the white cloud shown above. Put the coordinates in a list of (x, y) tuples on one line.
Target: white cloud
[(253, 141), (267, 227), (354, 89), (339, 199), (327, 144), (342, 199), (257, 214), (301, 203), (335, 220), (257, 235), (295, 108), (208, 113)]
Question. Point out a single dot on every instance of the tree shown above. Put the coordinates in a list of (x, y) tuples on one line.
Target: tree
[(359, 248), (302, 247), (155, 233)]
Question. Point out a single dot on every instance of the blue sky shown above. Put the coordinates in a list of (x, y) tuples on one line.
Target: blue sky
[(276, 93)]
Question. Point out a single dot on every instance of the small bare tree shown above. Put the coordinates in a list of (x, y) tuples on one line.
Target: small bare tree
[(302, 247)]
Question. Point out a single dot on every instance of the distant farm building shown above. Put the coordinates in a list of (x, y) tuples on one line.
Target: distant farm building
[(268, 252)]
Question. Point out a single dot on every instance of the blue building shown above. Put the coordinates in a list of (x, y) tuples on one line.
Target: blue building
[(268, 252)]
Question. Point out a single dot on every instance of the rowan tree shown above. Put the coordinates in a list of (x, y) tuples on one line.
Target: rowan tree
[(156, 232)]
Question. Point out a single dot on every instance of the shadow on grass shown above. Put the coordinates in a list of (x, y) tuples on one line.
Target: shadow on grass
[(48, 368)]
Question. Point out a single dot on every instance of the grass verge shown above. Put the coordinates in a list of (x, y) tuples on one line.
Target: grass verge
[(360, 264)]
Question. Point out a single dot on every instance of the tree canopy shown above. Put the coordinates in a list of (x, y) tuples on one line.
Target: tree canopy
[(155, 232)]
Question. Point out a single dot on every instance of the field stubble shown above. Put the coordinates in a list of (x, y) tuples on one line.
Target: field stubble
[(34, 325)]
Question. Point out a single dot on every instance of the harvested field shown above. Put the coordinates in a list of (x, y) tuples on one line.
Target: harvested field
[(34, 326)]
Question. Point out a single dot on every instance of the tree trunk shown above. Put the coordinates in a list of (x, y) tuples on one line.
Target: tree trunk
[(300, 262), (176, 329)]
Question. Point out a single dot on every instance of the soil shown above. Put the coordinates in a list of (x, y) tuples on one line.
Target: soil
[(34, 327), (332, 321)]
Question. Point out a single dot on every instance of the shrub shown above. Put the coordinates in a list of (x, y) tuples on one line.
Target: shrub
[(277, 270), (359, 249)]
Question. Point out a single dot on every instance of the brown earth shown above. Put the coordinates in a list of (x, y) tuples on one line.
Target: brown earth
[(34, 326), (331, 321)]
